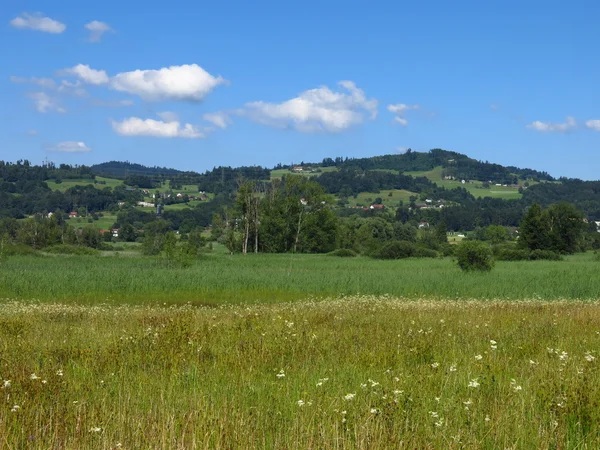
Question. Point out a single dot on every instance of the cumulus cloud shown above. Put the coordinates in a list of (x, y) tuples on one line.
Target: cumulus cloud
[(400, 110), (315, 110), (44, 103), (38, 22), (70, 147), (185, 82), (569, 124), (43, 82), (219, 119), (593, 125), (97, 29), (134, 126), (86, 74)]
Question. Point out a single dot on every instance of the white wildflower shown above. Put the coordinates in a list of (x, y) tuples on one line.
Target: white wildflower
[(589, 357), (6, 384), (33, 376), (474, 383), (300, 402), (435, 365), (468, 402), (374, 410), (59, 373), (433, 414), (493, 342), (281, 374), (15, 408), (95, 430), (478, 357), (349, 396), (532, 362), (487, 418), (563, 356), (452, 368), (439, 423)]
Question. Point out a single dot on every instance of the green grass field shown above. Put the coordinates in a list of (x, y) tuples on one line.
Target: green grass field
[(367, 198), (218, 278), (281, 172), (361, 372), (474, 187), (66, 184)]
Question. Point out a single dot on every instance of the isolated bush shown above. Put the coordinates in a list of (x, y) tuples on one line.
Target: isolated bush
[(343, 253), (395, 250), (511, 254), (447, 249), (16, 249), (474, 255), (544, 254)]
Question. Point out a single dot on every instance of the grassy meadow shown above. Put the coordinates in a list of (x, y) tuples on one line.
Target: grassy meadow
[(218, 278), (359, 372)]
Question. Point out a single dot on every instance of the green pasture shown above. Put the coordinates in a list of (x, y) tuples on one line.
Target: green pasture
[(218, 278), (66, 184), (391, 201), (278, 173)]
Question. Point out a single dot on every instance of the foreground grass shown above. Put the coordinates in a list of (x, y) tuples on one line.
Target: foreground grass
[(215, 279), (359, 372)]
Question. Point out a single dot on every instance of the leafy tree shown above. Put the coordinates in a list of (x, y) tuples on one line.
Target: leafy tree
[(533, 232), (565, 227), (128, 233), (441, 232)]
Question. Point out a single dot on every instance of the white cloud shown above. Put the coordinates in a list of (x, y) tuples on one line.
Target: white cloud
[(43, 82), (399, 110), (97, 29), (134, 126), (86, 74), (186, 82), (32, 132), (494, 107), (593, 124), (38, 22), (569, 124), (220, 119), (67, 87), (70, 147), (168, 116), (44, 103), (315, 110)]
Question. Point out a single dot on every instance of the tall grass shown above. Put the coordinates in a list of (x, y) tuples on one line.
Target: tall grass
[(214, 279), (360, 372)]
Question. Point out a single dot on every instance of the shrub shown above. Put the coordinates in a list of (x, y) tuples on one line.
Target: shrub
[(396, 250), (19, 250), (424, 252), (544, 254), (474, 255), (511, 254), (343, 253)]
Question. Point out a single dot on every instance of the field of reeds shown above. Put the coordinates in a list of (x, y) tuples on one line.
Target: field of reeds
[(365, 372), (215, 279)]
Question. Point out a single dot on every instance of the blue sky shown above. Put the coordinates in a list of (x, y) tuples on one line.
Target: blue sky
[(193, 85)]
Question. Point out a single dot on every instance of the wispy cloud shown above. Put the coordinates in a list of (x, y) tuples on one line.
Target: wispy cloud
[(86, 74), (219, 119), (97, 29), (69, 147), (564, 127), (400, 110), (593, 125), (38, 22), (44, 103), (42, 82)]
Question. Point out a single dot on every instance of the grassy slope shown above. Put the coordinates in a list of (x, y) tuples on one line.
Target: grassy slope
[(367, 198), (216, 279), (473, 187), (281, 172), (66, 184)]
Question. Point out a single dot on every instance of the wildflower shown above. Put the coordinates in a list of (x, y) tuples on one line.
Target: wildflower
[(33, 376), (452, 368), (439, 423), (478, 357), (59, 373), (588, 357), (468, 402), (44, 381), (349, 396), (15, 408), (95, 430), (433, 414), (487, 418), (374, 410), (493, 342), (281, 374), (6, 384), (363, 385), (532, 362), (517, 388), (373, 383), (435, 365), (300, 402), (474, 383), (397, 392), (563, 356), (437, 399)]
